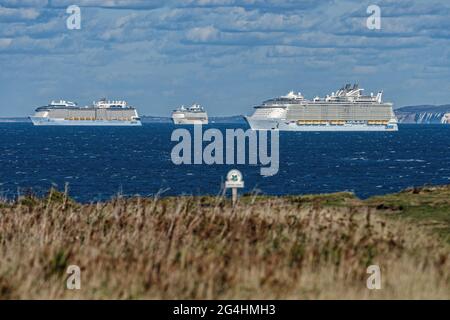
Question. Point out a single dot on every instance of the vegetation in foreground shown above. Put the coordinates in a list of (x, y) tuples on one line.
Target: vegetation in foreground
[(296, 247)]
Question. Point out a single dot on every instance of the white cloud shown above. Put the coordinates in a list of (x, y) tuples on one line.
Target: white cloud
[(23, 3), (5, 42), (203, 34), (17, 14), (126, 4)]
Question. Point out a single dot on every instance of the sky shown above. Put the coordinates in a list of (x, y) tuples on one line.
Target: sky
[(227, 55)]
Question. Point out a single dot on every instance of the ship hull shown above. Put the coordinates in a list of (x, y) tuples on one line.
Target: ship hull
[(38, 121), (189, 121), (277, 124)]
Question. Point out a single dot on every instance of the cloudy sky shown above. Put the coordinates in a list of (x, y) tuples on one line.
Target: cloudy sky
[(228, 55)]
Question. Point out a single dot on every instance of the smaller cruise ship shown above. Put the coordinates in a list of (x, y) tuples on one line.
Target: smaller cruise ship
[(101, 113), (192, 115)]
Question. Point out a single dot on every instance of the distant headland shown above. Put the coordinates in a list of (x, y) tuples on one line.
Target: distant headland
[(424, 114)]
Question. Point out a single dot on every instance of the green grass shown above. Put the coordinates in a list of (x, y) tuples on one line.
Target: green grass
[(426, 206), (338, 199)]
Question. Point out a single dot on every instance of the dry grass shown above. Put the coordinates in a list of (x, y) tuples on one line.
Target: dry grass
[(202, 248)]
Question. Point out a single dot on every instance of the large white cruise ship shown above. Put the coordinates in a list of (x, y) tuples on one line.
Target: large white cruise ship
[(101, 113), (344, 110), (192, 115)]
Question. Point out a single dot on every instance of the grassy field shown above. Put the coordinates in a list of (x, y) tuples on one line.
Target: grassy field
[(296, 247)]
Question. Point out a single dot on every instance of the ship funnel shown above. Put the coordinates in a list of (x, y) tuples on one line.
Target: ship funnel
[(379, 95)]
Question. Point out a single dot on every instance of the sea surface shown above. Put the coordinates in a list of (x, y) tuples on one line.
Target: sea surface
[(98, 163)]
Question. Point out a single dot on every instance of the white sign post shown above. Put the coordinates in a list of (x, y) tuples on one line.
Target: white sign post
[(234, 181)]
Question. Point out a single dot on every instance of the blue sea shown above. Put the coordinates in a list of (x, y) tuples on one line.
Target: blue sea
[(97, 163)]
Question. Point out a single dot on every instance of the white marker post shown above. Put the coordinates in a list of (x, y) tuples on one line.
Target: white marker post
[(234, 181)]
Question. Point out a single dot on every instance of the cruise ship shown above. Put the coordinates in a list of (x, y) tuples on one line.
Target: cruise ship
[(101, 113), (192, 115), (344, 110)]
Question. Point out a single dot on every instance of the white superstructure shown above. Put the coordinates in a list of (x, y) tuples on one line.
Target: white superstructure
[(344, 110), (192, 115)]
